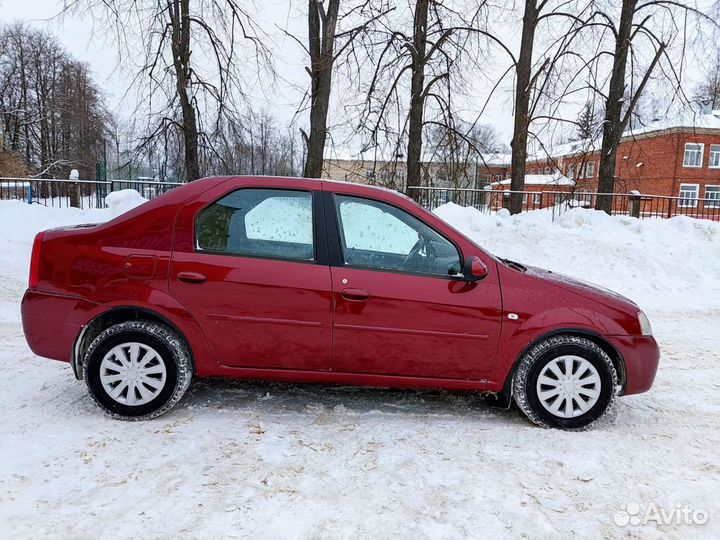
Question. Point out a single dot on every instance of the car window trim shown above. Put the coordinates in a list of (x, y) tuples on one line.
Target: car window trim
[(335, 242), (320, 247)]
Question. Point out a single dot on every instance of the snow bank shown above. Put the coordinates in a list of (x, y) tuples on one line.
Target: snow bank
[(662, 264), (119, 202)]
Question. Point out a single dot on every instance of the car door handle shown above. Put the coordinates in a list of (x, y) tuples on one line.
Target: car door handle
[(355, 295), (191, 277)]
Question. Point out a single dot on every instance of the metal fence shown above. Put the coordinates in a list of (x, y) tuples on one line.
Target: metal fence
[(75, 193), (557, 202), (91, 194)]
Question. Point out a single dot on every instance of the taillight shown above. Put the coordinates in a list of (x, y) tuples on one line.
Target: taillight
[(35, 262)]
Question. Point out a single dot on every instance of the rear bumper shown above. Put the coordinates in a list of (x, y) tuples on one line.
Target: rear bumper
[(642, 356), (51, 323)]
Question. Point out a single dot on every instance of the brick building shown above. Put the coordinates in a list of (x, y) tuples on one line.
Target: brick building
[(437, 174), (673, 157)]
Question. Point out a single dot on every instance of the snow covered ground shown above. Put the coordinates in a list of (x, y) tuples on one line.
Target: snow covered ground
[(256, 459)]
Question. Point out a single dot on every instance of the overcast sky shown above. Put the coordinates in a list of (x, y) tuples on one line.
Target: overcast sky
[(281, 99), (79, 37)]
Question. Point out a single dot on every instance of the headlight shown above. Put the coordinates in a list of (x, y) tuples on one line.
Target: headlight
[(645, 327)]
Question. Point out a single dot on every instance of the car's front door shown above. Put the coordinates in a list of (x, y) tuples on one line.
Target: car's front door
[(256, 278), (399, 308)]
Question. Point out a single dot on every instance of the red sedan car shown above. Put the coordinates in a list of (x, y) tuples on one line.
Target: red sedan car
[(319, 281)]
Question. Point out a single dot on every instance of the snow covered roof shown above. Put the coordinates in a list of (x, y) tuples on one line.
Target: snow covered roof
[(556, 179), (496, 159), (690, 119)]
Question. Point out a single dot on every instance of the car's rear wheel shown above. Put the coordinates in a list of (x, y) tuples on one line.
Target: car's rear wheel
[(137, 370), (566, 382)]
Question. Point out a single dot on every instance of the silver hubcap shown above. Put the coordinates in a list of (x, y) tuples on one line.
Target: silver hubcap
[(568, 386), (132, 373)]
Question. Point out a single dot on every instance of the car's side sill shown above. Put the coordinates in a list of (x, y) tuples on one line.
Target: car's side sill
[(357, 379)]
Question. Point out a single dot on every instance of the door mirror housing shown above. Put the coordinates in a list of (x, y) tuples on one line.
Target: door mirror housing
[(474, 269)]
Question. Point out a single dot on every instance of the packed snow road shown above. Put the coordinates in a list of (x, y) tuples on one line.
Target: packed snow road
[(256, 459)]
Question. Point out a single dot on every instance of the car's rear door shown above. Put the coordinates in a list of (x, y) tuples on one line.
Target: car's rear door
[(250, 263), (398, 310)]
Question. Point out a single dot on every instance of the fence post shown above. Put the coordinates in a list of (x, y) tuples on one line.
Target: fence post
[(75, 189), (29, 193), (635, 203)]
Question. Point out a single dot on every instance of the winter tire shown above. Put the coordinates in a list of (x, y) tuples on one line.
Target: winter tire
[(566, 382), (137, 370)]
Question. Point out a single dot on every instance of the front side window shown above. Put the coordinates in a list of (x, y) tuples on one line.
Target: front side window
[(712, 196), (270, 223), (715, 155), (693, 155), (689, 195), (377, 235)]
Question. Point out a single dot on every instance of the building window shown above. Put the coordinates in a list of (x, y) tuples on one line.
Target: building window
[(693, 155), (571, 172), (587, 170), (714, 156), (547, 170), (712, 196), (689, 195)]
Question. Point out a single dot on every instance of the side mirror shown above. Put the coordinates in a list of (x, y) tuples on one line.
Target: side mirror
[(474, 269)]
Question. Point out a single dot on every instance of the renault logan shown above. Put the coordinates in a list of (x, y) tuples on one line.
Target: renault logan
[(319, 281)]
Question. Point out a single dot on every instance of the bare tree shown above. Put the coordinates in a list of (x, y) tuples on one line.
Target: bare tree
[(642, 27), (537, 81), (51, 112), (322, 25), (458, 149), (418, 91), (708, 90), (524, 81), (443, 36), (332, 33), (191, 57)]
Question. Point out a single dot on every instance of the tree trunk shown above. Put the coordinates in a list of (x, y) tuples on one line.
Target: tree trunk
[(523, 75), (180, 20), (612, 126), (417, 98), (321, 38)]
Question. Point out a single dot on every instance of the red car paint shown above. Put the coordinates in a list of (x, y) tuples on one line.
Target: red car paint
[(263, 318)]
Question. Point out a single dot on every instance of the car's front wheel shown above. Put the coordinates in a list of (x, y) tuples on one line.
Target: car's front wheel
[(137, 370), (566, 382)]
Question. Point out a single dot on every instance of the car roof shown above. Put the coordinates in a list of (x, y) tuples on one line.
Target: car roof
[(322, 183)]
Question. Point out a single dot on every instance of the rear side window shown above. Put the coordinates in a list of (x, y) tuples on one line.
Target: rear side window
[(270, 223)]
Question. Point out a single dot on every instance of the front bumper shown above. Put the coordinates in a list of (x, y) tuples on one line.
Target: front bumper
[(641, 356)]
